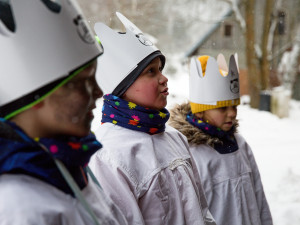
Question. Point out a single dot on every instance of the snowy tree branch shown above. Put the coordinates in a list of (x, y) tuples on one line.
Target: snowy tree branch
[(238, 16)]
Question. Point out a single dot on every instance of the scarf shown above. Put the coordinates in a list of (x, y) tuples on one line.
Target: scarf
[(132, 116), (24, 155), (229, 143)]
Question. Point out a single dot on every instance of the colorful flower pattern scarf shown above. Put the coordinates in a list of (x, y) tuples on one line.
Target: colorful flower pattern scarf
[(228, 140), (132, 116), (28, 156)]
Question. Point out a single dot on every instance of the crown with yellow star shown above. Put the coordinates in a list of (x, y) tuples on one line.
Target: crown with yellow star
[(212, 83)]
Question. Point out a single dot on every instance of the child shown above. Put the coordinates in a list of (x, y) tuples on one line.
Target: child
[(145, 166), (226, 164), (48, 90)]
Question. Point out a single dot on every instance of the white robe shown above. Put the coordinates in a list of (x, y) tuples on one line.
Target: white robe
[(232, 185), (25, 200), (149, 177)]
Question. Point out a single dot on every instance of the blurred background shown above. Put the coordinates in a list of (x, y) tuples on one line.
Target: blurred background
[(266, 36)]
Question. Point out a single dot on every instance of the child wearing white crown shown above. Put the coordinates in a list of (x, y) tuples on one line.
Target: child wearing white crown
[(145, 166), (48, 91), (226, 164)]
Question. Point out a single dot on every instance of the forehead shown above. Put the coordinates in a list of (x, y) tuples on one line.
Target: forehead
[(214, 111), (220, 110)]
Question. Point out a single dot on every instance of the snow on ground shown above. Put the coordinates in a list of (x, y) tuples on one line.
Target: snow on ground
[(276, 146), (275, 143)]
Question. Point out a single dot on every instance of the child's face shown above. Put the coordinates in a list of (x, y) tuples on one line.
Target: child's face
[(222, 118), (68, 111), (150, 89)]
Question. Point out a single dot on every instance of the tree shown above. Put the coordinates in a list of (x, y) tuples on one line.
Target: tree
[(265, 61), (260, 34), (252, 62)]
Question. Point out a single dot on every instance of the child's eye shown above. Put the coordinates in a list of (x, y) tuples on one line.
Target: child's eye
[(150, 70)]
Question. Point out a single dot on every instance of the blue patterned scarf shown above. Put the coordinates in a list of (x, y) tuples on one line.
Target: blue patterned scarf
[(228, 140), (129, 115), (20, 154)]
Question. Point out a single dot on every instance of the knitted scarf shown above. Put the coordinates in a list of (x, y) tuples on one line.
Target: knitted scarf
[(23, 155), (129, 115), (229, 143)]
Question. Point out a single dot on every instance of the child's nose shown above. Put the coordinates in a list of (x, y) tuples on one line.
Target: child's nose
[(97, 92), (232, 111), (163, 80)]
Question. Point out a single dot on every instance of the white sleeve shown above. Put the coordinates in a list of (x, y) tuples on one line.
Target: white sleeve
[(116, 183), (263, 206)]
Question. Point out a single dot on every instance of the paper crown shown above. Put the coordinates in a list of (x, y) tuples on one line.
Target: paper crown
[(41, 42), (122, 53), (212, 83)]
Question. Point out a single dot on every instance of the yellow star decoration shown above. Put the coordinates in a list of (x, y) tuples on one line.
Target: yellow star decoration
[(114, 122), (162, 115), (131, 105)]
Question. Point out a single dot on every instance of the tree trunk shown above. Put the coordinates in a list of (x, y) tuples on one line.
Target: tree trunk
[(252, 63), (265, 63)]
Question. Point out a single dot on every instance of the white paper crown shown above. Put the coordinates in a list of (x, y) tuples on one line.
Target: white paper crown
[(122, 53), (47, 44), (219, 83)]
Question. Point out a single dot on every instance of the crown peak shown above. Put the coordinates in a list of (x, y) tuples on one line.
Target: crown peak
[(215, 82)]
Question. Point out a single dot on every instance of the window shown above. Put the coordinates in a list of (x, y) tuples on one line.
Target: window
[(6, 15), (281, 23), (227, 30)]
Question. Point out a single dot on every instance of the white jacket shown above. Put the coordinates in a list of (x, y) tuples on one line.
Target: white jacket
[(231, 182), (25, 200), (149, 177), (232, 185)]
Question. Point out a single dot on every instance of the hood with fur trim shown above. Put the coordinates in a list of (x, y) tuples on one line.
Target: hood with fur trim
[(194, 135)]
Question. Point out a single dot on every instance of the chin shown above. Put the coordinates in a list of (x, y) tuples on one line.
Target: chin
[(80, 132), (83, 134), (161, 106)]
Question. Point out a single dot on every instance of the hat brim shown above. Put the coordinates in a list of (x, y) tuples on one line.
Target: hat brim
[(131, 78)]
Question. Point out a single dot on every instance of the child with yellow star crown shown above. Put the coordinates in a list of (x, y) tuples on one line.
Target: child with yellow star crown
[(145, 166), (226, 164)]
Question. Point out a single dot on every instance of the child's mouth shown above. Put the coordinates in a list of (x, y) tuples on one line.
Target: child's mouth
[(165, 91)]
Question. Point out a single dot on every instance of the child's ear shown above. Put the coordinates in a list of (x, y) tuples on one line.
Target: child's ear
[(38, 105), (199, 115)]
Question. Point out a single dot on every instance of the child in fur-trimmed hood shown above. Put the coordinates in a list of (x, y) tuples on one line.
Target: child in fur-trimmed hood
[(225, 161)]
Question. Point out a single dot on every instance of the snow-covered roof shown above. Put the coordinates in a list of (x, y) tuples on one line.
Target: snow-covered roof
[(207, 30)]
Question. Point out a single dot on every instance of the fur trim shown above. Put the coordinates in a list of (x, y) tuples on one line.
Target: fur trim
[(194, 135)]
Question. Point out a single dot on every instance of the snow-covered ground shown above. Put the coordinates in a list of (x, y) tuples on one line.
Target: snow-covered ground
[(276, 146)]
